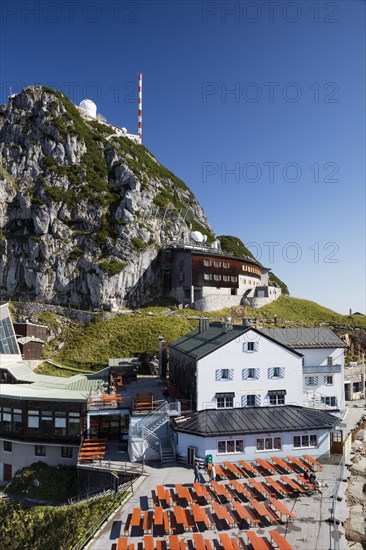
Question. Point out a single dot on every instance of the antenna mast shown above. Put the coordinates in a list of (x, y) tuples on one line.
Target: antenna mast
[(139, 111)]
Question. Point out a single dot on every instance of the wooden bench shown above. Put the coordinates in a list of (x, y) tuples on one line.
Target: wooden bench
[(183, 493), (200, 516), (149, 542), (233, 469), (220, 472), (248, 467), (266, 466), (258, 543), (282, 464), (158, 515), (280, 540), (241, 489), (283, 491), (147, 523), (136, 517), (281, 509), (306, 483), (202, 492), (167, 526), (264, 512), (299, 463), (313, 462), (245, 514), (174, 542), (222, 514), (226, 542), (293, 484), (198, 542), (260, 488), (220, 490), (122, 543)]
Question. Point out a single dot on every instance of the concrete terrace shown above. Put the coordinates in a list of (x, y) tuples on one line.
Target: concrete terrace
[(310, 530)]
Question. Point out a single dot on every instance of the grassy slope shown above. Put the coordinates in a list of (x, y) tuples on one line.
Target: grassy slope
[(90, 346)]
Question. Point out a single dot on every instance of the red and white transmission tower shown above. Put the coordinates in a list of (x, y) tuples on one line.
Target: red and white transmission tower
[(139, 112)]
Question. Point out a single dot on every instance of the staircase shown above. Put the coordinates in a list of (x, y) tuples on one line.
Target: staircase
[(144, 444)]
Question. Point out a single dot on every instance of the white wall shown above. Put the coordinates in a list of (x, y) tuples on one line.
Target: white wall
[(319, 357), (23, 454), (208, 445), (231, 356)]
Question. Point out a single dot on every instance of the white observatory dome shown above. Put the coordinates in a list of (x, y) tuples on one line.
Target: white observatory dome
[(197, 236), (89, 106), (124, 130)]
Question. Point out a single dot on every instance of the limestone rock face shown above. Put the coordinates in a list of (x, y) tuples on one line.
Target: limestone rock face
[(83, 212)]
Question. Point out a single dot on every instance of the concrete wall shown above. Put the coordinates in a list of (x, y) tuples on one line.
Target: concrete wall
[(208, 445), (232, 356), (23, 454)]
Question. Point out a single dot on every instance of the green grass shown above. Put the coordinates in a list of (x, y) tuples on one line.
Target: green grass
[(42, 482), (91, 345), (48, 528), (305, 312)]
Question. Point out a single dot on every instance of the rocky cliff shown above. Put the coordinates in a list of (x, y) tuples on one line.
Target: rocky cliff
[(82, 211)]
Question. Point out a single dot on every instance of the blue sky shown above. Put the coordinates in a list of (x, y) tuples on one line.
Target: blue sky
[(259, 107)]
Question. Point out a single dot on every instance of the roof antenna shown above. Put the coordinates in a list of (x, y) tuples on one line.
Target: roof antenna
[(139, 109)]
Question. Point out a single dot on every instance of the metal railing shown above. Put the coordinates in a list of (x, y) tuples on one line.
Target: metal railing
[(156, 418), (149, 437)]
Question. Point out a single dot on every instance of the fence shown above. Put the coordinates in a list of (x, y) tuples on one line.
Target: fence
[(339, 479)]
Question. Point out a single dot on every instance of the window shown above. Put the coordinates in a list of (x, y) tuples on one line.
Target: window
[(181, 277), (217, 277), (225, 402), (269, 444), (276, 399), (7, 427), (331, 401), (226, 265), (250, 374), (40, 450), (276, 372), (33, 420), (251, 400), (207, 263), (224, 374), (305, 441), (328, 380), (46, 423), (74, 424), (250, 346), (233, 279), (207, 277), (311, 380), (66, 452), (60, 423), (228, 446), (217, 264), (17, 420), (226, 278), (329, 361), (8, 446)]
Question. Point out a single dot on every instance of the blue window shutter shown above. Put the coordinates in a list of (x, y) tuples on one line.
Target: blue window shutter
[(257, 373), (256, 346), (282, 372), (231, 374), (245, 374), (257, 400), (245, 346), (218, 374), (243, 400), (270, 373)]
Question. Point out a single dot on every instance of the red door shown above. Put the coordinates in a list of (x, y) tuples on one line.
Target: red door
[(7, 472)]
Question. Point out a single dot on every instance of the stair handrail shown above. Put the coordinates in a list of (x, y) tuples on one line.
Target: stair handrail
[(163, 409), (149, 433)]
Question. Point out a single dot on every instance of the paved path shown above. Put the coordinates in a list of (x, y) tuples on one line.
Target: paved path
[(310, 531)]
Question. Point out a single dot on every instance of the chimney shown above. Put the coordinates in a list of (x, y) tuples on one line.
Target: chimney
[(203, 324)]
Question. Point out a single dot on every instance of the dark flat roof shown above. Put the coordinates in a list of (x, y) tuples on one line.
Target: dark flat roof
[(298, 338), (254, 420), (199, 344)]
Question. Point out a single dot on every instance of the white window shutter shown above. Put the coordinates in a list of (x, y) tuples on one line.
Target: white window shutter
[(307, 381), (218, 374), (245, 346), (244, 401), (315, 380), (256, 346), (270, 373), (257, 374), (245, 374), (282, 372), (231, 374), (257, 400)]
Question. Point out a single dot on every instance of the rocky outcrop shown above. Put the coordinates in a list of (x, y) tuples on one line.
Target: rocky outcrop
[(83, 211)]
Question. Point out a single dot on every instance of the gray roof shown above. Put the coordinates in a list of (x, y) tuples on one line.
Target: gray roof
[(305, 338), (254, 420), (26, 339), (199, 344)]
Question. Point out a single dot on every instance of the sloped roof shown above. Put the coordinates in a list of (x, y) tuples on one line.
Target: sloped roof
[(199, 344), (39, 392), (26, 339), (254, 420), (305, 338)]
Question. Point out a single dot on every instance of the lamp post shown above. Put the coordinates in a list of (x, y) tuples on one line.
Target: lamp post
[(161, 338)]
